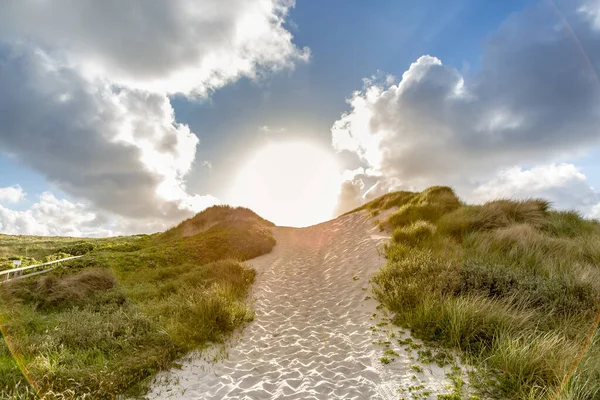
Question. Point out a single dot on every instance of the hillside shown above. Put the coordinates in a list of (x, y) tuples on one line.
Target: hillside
[(498, 300), (105, 323), (225, 215), (318, 332), (513, 285)]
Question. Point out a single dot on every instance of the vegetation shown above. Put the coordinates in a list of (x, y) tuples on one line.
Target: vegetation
[(104, 324), (513, 285), (38, 249)]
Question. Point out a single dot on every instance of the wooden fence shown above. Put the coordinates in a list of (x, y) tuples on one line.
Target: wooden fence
[(31, 270)]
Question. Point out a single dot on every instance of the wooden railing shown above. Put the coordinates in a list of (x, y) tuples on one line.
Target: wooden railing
[(24, 272)]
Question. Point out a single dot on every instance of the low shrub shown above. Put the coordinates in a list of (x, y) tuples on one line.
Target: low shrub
[(564, 296), (78, 248)]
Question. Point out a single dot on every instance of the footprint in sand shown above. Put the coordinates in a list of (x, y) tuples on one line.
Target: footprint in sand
[(313, 336)]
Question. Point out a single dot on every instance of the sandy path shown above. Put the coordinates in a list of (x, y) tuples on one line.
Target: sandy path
[(311, 337)]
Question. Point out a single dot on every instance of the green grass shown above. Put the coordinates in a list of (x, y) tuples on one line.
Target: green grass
[(513, 285), (37, 249), (104, 324)]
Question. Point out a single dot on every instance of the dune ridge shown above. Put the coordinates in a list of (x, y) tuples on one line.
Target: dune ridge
[(313, 335)]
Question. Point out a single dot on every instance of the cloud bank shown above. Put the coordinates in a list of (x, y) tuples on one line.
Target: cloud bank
[(49, 216), (84, 98), (166, 46), (563, 184), (534, 99)]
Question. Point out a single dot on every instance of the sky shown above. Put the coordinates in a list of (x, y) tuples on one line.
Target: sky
[(124, 117)]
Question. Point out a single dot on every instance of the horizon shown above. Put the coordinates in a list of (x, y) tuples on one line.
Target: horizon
[(298, 111)]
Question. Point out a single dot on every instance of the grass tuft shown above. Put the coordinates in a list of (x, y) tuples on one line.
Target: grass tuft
[(414, 234), (512, 284), (101, 326), (494, 214)]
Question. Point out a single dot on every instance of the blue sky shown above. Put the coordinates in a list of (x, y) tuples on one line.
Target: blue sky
[(349, 41), (504, 130)]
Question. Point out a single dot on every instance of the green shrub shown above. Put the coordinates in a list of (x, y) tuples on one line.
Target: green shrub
[(557, 294), (124, 247), (395, 199), (78, 249), (56, 256), (442, 196), (410, 213)]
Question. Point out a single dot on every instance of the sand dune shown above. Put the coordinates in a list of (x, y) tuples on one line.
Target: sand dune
[(312, 337)]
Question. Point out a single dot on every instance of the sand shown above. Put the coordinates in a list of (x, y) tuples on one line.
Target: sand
[(313, 334)]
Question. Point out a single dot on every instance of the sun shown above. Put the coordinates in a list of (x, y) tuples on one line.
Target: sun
[(289, 183)]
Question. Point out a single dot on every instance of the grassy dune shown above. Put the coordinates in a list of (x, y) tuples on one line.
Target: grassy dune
[(104, 324), (38, 249), (513, 285)]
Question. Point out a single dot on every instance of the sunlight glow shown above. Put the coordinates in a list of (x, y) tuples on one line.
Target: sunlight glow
[(291, 184)]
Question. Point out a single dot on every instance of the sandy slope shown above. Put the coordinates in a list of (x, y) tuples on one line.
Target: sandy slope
[(312, 337)]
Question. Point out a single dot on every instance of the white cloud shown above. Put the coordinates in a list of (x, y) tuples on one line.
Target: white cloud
[(350, 196), (175, 46), (591, 10), (11, 194), (360, 186), (120, 149), (198, 203), (48, 216), (534, 99), (562, 184), (595, 212), (85, 88)]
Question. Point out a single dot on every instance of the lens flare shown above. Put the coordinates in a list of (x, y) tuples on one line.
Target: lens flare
[(291, 183)]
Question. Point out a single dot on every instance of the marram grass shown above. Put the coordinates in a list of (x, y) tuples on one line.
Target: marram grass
[(103, 325), (511, 284)]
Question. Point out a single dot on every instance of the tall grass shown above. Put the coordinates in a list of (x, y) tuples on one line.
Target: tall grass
[(514, 285), (104, 324)]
